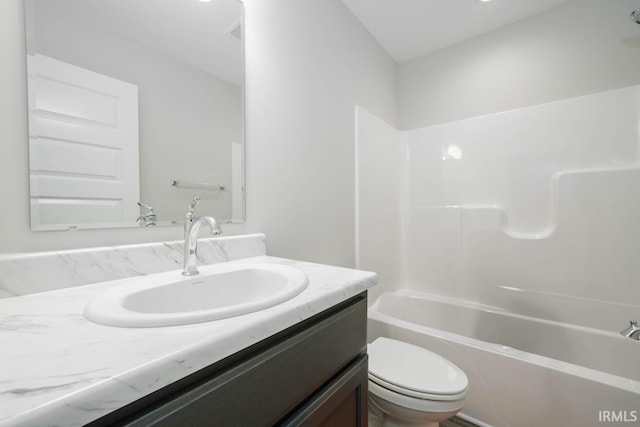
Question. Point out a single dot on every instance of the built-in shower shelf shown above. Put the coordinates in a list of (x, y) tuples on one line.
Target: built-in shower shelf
[(585, 187)]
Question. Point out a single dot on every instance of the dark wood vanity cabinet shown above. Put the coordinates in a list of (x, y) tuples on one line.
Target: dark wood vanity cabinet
[(312, 374)]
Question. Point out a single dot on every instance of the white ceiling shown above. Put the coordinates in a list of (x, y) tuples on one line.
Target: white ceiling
[(409, 29)]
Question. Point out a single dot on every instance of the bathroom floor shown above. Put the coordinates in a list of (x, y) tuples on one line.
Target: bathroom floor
[(456, 422)]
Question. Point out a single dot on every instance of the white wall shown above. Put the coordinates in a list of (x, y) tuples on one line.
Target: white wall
[(583, 47), (308, 64)]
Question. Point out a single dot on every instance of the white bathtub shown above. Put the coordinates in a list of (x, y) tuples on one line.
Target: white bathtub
[(522, 371)]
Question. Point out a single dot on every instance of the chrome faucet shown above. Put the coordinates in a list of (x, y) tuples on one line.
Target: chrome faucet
[(149, 217), (633, 331), (192, 226)]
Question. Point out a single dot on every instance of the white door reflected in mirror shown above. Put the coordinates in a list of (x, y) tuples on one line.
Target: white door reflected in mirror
[(83, 146)]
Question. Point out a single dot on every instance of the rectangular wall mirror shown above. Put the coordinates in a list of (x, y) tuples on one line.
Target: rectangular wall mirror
[(133, 104)]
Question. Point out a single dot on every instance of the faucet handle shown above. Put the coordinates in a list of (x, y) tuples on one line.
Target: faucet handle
[(632, 331), (217, 230), (192, 205), (147, 207)]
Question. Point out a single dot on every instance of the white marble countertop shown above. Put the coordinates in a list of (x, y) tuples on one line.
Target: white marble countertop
[(59, 369)]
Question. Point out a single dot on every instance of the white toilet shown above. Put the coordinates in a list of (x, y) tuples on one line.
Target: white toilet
[(411, 386)]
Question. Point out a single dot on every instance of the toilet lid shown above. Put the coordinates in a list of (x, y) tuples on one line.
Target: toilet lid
[(413, 370)]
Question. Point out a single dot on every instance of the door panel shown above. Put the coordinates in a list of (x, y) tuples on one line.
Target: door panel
[(83, 147)]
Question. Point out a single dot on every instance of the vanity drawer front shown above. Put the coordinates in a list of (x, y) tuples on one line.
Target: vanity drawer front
[(342, 402), (266, 387)]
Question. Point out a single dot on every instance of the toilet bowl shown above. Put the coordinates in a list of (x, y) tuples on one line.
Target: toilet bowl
[(411, 386)]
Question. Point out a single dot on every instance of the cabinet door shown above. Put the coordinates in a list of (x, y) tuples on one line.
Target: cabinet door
[(263, 387), (343, 402)]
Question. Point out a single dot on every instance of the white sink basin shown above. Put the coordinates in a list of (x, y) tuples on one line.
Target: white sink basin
[(219, 291)]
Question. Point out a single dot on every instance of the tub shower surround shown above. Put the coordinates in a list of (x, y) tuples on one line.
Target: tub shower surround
[(22, 274), (533, 210), (526, 223), (61, 369)]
